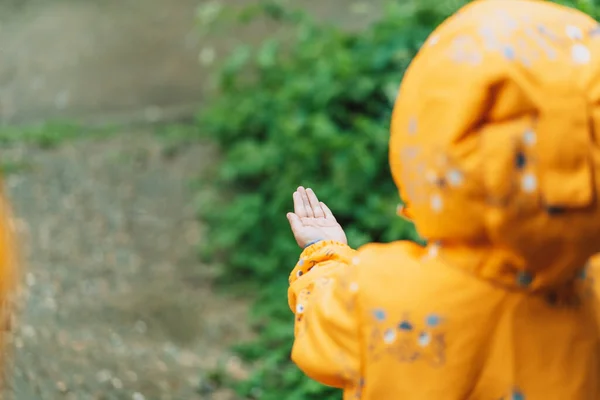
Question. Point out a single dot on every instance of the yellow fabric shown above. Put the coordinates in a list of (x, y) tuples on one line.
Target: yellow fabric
[(494, 149), (8, 276)]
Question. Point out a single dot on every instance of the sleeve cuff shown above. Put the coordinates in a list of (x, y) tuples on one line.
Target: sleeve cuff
[(320, 252), (313, 248)]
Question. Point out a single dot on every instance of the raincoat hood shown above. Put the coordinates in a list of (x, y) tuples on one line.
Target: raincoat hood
[(494, 141)]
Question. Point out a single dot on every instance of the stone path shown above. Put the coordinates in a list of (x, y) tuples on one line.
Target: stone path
[(117, 305)]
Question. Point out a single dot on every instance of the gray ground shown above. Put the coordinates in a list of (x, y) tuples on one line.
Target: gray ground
[(121, 59), (118, 306)]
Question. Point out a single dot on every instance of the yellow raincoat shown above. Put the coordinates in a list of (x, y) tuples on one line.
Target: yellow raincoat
[(495, 148), (8, 277)]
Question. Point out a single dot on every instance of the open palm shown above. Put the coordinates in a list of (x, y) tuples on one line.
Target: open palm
[(312, 220)]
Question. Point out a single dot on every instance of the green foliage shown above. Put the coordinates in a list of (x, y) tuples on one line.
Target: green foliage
[(310, 107), (47, 135), (13, 167)]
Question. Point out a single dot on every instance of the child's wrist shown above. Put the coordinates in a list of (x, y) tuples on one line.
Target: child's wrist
[(307, 245)]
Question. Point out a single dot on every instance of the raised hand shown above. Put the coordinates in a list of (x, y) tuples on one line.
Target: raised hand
[(312, 220)]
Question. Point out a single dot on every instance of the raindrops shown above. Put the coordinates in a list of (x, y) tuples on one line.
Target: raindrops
[(580, 54), (529, 183), (424, 339), (433, 320), (465, 50), (529, 137), (408, 338), (454, 177), (436, 203), (574, 32), (353, 287), (379, 314), (389, 336), (509, 53), (299, 308)]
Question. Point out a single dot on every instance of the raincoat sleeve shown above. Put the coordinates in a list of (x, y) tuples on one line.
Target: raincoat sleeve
[(322, 294)]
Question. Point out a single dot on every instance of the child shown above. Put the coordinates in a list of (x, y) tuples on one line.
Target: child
[(495, 149), (8, 277)]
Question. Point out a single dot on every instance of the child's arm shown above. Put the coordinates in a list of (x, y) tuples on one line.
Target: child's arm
[(322, 295)]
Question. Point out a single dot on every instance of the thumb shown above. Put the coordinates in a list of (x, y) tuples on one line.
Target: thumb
[(294, 221)]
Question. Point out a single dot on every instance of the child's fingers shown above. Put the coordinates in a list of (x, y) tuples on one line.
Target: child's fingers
[(295, 222), (314, 204), (328, 213), (299, 209), (308, 209)]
